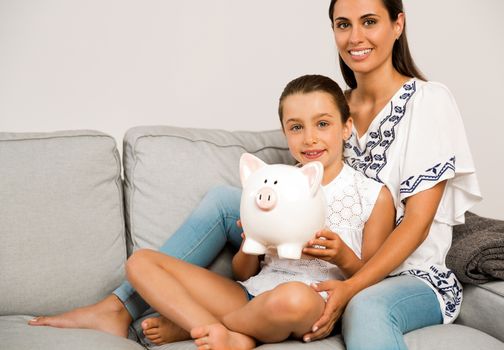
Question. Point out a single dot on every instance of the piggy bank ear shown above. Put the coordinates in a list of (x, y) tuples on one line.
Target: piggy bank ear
[(249, 164), (314, 171)]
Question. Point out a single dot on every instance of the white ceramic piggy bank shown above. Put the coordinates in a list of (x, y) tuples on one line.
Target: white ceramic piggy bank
[(281, 206)]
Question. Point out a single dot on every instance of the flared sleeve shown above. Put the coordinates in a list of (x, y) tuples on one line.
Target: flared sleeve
[(436, 149)]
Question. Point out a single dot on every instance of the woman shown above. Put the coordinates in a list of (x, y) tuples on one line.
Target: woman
[(407, 134)]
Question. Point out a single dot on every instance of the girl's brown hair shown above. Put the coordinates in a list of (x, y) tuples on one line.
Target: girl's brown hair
[(315, 83)]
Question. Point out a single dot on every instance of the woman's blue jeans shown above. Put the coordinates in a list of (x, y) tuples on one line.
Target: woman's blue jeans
[(376, 318), (199, 240)]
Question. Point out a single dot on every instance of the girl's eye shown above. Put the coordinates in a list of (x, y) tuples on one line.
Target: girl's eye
[(323, 124), (295, 128)]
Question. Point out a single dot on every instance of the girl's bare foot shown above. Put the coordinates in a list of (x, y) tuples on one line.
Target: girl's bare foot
[(108, 315), (160, 330), (218, 337)]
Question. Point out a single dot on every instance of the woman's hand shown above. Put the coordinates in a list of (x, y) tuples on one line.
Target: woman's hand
[(339, 296), (326, 245)]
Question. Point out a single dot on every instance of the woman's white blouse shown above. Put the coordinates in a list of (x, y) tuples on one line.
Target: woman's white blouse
[(415, 142)]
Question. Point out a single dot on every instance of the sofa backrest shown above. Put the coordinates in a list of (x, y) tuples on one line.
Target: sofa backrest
[(61, 221), (167, 171)]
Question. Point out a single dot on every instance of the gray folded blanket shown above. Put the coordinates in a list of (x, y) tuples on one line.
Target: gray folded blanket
[(477, 252)]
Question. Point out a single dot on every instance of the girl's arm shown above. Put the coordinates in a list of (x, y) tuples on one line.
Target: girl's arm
[(419, 213), (379, 225), (244, 265)]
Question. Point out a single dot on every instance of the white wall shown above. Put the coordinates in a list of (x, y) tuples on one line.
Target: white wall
[(113, 64)]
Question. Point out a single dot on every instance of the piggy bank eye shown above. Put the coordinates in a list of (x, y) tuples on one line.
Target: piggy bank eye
[(266, 181), (274, 183)]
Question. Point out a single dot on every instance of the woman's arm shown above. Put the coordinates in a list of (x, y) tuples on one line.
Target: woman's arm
[(380, 224), (420, 210), (244, 265), (419, 213)]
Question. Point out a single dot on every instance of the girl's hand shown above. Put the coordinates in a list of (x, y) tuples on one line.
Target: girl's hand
[(339, 296), (244, 265), (326, 245), (242, 242), (240, 251)]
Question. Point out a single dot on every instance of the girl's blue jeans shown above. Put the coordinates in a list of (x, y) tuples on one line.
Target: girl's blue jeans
[(199, 240), (376, 318)]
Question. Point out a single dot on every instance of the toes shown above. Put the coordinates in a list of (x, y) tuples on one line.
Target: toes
[(201, 341), (199, 332), (156, 340), (151, 332), (150, 323), (37, 321)]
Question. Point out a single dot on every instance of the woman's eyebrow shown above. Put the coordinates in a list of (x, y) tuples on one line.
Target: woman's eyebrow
[(361, 17), (369, 15)]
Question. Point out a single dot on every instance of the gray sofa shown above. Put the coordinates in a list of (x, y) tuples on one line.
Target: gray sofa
[(68, 221)]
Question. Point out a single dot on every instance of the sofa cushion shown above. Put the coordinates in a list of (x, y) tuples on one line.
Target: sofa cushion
[(61, 221), (169, 169), (16, 334), (451, 337), (441, 337)]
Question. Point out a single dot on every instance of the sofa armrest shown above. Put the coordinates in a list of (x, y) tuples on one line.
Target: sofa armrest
[(483, 307)]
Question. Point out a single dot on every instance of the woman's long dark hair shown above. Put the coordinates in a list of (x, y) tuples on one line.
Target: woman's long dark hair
[(401, 55)]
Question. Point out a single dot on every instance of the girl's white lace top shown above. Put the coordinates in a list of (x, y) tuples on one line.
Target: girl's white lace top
[(350, 197)]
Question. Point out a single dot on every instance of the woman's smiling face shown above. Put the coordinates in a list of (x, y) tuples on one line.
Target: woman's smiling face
[(365, 34)]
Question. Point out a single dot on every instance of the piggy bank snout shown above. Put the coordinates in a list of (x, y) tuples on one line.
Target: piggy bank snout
[(266, 198)]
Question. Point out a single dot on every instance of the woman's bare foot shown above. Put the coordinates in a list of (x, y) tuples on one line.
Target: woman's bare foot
[(160, 330), (218, 337), (108, 315)]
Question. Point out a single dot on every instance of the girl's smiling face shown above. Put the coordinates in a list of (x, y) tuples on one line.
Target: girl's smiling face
[(314, 130), (365, 34)]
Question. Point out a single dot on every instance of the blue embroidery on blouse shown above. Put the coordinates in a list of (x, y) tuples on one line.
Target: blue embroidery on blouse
[(432, 174), (373, 158), (445, 283)]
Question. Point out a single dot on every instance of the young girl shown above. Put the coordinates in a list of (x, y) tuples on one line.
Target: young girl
[(274, 304)]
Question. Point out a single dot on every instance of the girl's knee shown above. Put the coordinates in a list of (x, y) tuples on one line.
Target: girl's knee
[(294, 300), (137, 262)]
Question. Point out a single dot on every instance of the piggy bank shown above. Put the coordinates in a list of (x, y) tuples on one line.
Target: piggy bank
[(282, 206)]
